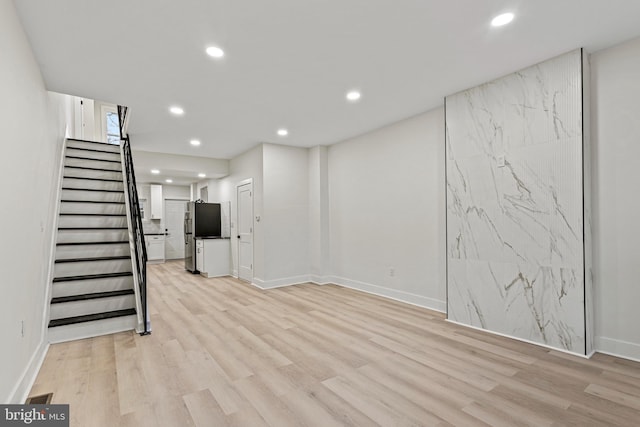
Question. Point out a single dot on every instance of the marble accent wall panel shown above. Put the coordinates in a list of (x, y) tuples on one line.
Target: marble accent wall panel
[(515, 218)]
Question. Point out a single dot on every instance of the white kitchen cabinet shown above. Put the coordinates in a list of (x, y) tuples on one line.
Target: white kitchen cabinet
[(155, 248), (156, 201), (213, 257), (199, 255)]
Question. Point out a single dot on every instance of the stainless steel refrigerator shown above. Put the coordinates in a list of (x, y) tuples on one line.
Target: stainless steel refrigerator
[(200, 220)]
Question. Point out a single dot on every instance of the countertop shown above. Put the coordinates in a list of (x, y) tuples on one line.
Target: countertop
[(211, 237), (155, 234)]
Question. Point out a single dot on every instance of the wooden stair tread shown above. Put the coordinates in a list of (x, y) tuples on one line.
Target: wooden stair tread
[(93, 169), (91, 317), (94, 149), (91, 276), (92, 142), (90, 214), (93, 179), (95, 295), (92, 201), (93, 159), (103, 258), (91, 189), (108, 242), (92, 228)]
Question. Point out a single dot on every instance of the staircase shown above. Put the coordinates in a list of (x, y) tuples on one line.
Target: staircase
[(93, 290)]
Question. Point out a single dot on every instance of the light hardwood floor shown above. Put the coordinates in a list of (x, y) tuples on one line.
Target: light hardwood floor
[(225, 353)]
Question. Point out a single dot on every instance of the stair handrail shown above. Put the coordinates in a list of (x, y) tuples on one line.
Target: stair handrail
[(136, 225), (123, 120)]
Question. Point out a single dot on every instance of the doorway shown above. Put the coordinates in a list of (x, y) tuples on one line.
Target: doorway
[(84, 119), (174, 228), (245, 230), (204, 194)]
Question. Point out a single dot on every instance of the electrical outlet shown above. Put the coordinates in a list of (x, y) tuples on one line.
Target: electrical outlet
[(392, 271), (22, 328), (500, 160)]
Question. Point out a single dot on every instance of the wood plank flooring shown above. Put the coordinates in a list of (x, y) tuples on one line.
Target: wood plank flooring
[(223, 352)]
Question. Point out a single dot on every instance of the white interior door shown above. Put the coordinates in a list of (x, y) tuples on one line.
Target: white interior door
[(245, 232), (174, 224)]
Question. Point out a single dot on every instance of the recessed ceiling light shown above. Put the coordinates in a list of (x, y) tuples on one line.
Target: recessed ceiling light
[(202, 175), (215, 52), (194, 142), (155, 171), (353, 96), (176, 110), (503, 19), (169, 180), (283, 132)]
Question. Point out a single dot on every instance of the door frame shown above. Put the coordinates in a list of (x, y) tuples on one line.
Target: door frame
[(238, 185), (164, 215), (104, 109), (84, 118)]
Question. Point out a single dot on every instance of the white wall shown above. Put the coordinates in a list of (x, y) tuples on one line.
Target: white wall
[(615, 76), (281, 201), (175, 192), (169, 191), (248, 165), (285, 215), (318, 214), (32, 129), (386, 211)]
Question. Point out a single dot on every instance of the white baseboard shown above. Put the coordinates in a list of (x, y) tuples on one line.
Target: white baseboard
[(21, 390), (402, 296), (394, 294), (279, 283), (618, 348), (212, 276), (320, 280)]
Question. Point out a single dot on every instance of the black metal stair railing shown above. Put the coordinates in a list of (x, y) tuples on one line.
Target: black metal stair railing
[(136, 222)]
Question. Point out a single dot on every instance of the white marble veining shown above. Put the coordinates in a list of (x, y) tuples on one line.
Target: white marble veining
[(515, 234)]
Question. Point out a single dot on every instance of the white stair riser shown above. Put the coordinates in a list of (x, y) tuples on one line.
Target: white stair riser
[(94, 196), (91, 286), (83, 268), (92, 306), (91, 208), (92, 184), (96, 164), (97, 155), (91, 221), (93, 146), (97, 250), (74, 236), (89, 173), (79, 331)]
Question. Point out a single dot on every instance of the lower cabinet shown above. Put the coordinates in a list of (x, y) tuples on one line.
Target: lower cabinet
[(213, 257), (200, 255), (155, 248)]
